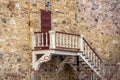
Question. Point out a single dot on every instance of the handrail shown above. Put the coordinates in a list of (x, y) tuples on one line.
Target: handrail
[(40, 32), (67, 33), (92, 49)]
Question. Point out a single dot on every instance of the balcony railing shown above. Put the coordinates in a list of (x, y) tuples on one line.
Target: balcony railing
[(92, 56), (66, 41), (56, 40), (41, 40)]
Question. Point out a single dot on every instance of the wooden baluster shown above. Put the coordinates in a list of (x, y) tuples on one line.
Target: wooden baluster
[(84, 48), (78, 44), (63, 39), (40, 44), (99, 64), (75, 41), (60, 40), (94, 58), (70, 41), (88, 52), (36, 40), (46, 39), (66, 40), (56, 38), (97, 61), (91, 55), (81, 40), (42, 39)]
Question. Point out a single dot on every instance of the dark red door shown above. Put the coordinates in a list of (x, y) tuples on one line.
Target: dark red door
[(45, 21)]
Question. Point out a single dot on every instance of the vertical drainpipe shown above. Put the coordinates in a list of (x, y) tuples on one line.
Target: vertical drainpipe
[(77, 58)]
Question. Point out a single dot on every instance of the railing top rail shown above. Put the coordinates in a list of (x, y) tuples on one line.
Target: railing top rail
[(60, 32), (39, 32), (93, 50), (67, 33)]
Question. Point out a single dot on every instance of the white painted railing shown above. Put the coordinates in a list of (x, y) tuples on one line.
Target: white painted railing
[(92, 56), (67, 41), (57, 40), (41, 40)]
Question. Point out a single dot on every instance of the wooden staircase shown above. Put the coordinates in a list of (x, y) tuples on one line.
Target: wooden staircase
[(51, 43)]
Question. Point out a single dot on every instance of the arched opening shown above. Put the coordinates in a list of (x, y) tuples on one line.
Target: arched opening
[(68, 73)]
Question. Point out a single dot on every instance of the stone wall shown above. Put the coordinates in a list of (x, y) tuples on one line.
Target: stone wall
[(97, 20), (15, 42)]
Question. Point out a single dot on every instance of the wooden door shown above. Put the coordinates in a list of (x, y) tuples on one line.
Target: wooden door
[(45, 21)]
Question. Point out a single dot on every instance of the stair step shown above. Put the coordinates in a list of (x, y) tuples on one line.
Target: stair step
[(95, 67), (86, 58), (83, 63), (83, 54), (91, 63), (87, 67)]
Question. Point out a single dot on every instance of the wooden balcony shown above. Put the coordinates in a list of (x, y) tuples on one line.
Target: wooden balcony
[(56, 40), (67, 44)]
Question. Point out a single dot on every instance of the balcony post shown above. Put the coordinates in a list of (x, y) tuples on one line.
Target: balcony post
[(52, 39), (33, 40), (34, 59), (81, 43)]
